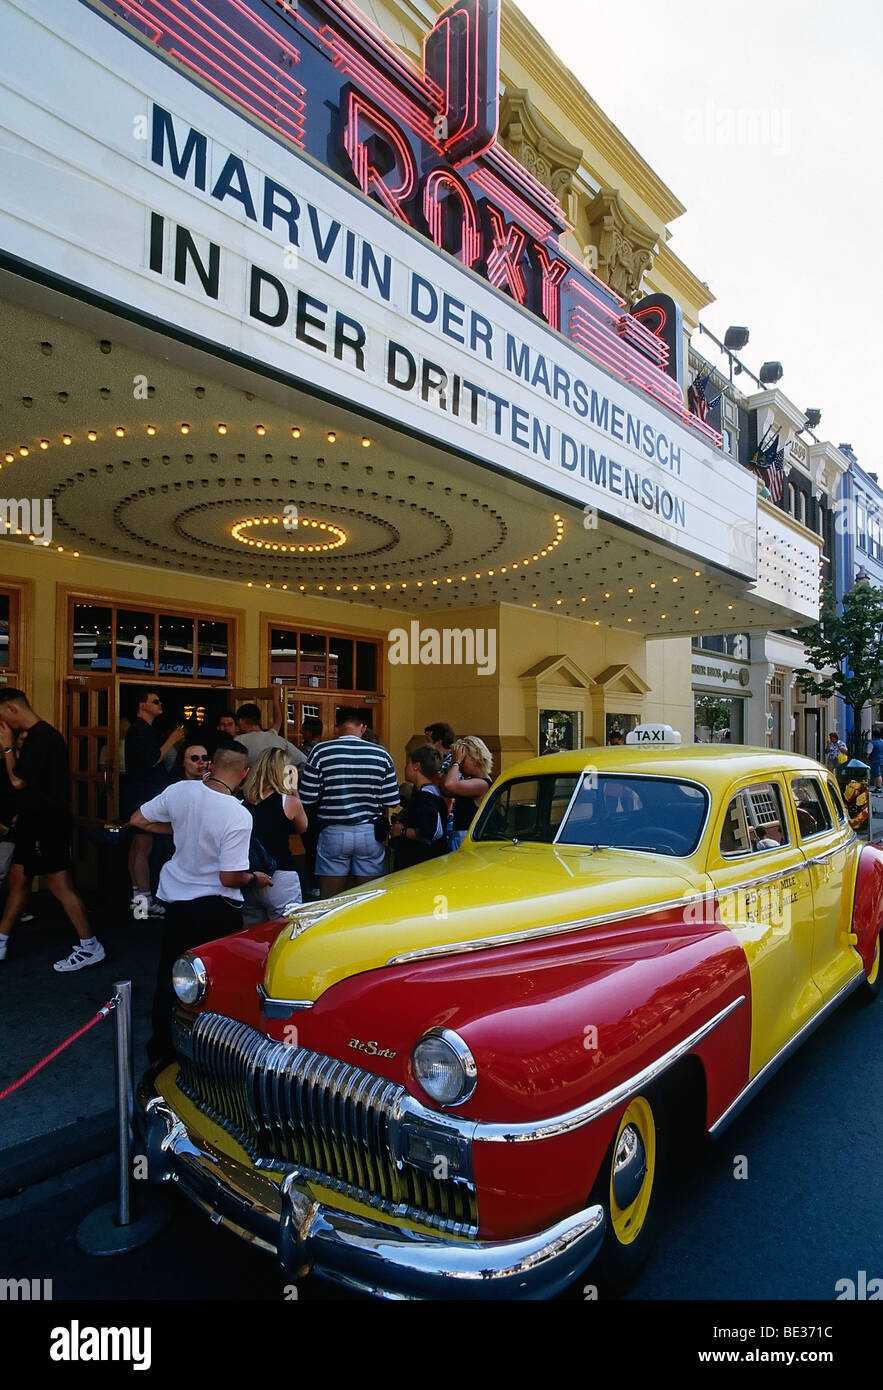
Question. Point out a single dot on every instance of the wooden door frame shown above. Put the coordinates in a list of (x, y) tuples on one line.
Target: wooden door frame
[(68, 594), (379, 698), (24, 589)]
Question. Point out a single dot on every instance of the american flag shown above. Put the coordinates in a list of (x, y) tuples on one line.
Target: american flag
[(775, 480), (767, 463), (696, 395)]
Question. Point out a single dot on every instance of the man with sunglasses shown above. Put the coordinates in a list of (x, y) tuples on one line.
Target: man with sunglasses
[(145, 778)]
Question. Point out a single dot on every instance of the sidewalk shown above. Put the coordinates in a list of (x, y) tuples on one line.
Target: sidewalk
[(65, 1114)]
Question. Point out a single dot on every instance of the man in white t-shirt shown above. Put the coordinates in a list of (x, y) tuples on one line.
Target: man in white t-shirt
[(250, 734), (201, 884)]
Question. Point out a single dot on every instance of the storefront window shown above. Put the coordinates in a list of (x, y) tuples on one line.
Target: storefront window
[(92, 629), (312, 662), (735, 644), (618, 725), (175, 646), (323, 661), (283, 656), (7, 631), (135, 641), (212, 650), (366, 665), (560, 730), (718, 719), (340, 663)]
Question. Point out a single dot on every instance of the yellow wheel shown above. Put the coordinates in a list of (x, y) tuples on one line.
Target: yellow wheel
[(873, 979), (628, 1189), (632, 1171)]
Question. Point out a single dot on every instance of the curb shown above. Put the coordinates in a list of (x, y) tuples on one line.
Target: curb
[(45, 1156)]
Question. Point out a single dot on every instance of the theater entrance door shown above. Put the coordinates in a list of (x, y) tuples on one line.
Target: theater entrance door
[(91, 733)]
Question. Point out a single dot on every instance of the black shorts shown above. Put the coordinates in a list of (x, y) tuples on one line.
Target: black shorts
[(43, 842)]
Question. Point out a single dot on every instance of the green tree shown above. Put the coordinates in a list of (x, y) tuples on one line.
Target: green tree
[(850, 643), (711, 713)]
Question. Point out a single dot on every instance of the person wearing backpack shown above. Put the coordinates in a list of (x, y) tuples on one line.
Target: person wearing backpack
[(418, 831)]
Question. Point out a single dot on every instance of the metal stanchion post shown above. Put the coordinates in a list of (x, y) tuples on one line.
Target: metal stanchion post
[(125, 1089), (114, 1228)]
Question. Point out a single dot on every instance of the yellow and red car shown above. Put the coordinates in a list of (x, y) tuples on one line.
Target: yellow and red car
[(453, 1082)]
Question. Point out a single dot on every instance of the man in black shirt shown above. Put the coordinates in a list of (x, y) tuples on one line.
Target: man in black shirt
[(146, 777), (40, 775)]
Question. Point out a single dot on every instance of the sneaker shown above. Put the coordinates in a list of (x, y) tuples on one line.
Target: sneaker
[(26, 917), (145, 905), (80, 958)]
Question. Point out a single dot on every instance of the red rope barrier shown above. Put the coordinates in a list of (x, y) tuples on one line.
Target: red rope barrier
[(102, 1013)]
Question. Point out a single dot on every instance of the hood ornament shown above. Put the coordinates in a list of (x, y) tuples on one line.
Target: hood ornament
[(302, 916)]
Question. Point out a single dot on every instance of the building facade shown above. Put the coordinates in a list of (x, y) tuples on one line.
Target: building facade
[(345, 353), (768, 705), (859, 544)]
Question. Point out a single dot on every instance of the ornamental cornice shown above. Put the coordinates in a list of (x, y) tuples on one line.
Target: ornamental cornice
[(625, 244), (531, 140), (783, 410), (521, 41)]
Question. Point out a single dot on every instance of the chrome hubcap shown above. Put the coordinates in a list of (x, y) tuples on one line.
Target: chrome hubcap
[(629, 1167)]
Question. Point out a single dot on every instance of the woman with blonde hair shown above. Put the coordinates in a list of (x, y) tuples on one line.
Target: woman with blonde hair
[(269, 792), (466, 780)]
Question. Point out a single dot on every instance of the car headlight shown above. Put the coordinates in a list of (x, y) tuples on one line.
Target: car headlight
[(189, 978), (444, 1066)]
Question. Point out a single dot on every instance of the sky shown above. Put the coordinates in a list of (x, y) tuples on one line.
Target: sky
[(765, 119)]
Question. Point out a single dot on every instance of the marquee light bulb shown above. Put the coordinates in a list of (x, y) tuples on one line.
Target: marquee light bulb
[(119, 432), (44, 443), (66, 439), (151, 429), (185, 429), (260, 429), (331, 436)]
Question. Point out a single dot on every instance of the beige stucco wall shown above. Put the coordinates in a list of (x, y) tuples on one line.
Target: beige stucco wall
[(668, 675)]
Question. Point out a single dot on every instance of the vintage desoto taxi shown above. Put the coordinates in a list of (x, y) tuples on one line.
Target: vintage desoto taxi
[(455, 1082)]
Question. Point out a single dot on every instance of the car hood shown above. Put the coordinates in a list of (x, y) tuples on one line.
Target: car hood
[(480, 892)]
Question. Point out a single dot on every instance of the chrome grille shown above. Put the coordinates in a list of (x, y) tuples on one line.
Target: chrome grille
[(289, 1107)]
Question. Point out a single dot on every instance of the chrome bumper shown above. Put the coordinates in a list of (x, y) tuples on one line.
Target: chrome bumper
[(353, 1250)]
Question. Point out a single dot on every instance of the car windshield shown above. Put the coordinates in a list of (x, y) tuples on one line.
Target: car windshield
[(660, 815)]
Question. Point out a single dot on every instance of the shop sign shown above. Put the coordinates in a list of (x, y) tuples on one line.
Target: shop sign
[(797, 451), (720, 675), (156, 198)]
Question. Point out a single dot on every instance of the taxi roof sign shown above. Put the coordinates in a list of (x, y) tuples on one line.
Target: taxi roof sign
[(654, 735)]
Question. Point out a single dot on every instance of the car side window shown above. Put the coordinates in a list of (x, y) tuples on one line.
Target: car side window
[(836, 800), (754, 821), (813, 816)]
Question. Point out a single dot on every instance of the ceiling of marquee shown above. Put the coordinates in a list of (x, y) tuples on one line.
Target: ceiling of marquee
[(228, 475)]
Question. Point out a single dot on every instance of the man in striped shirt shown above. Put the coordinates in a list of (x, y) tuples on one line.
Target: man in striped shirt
[(351, 781)]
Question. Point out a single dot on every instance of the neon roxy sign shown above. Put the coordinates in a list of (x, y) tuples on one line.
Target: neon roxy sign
[(423, 143)]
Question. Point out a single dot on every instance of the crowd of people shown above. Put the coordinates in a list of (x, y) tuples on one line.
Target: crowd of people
[(251, 824)]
